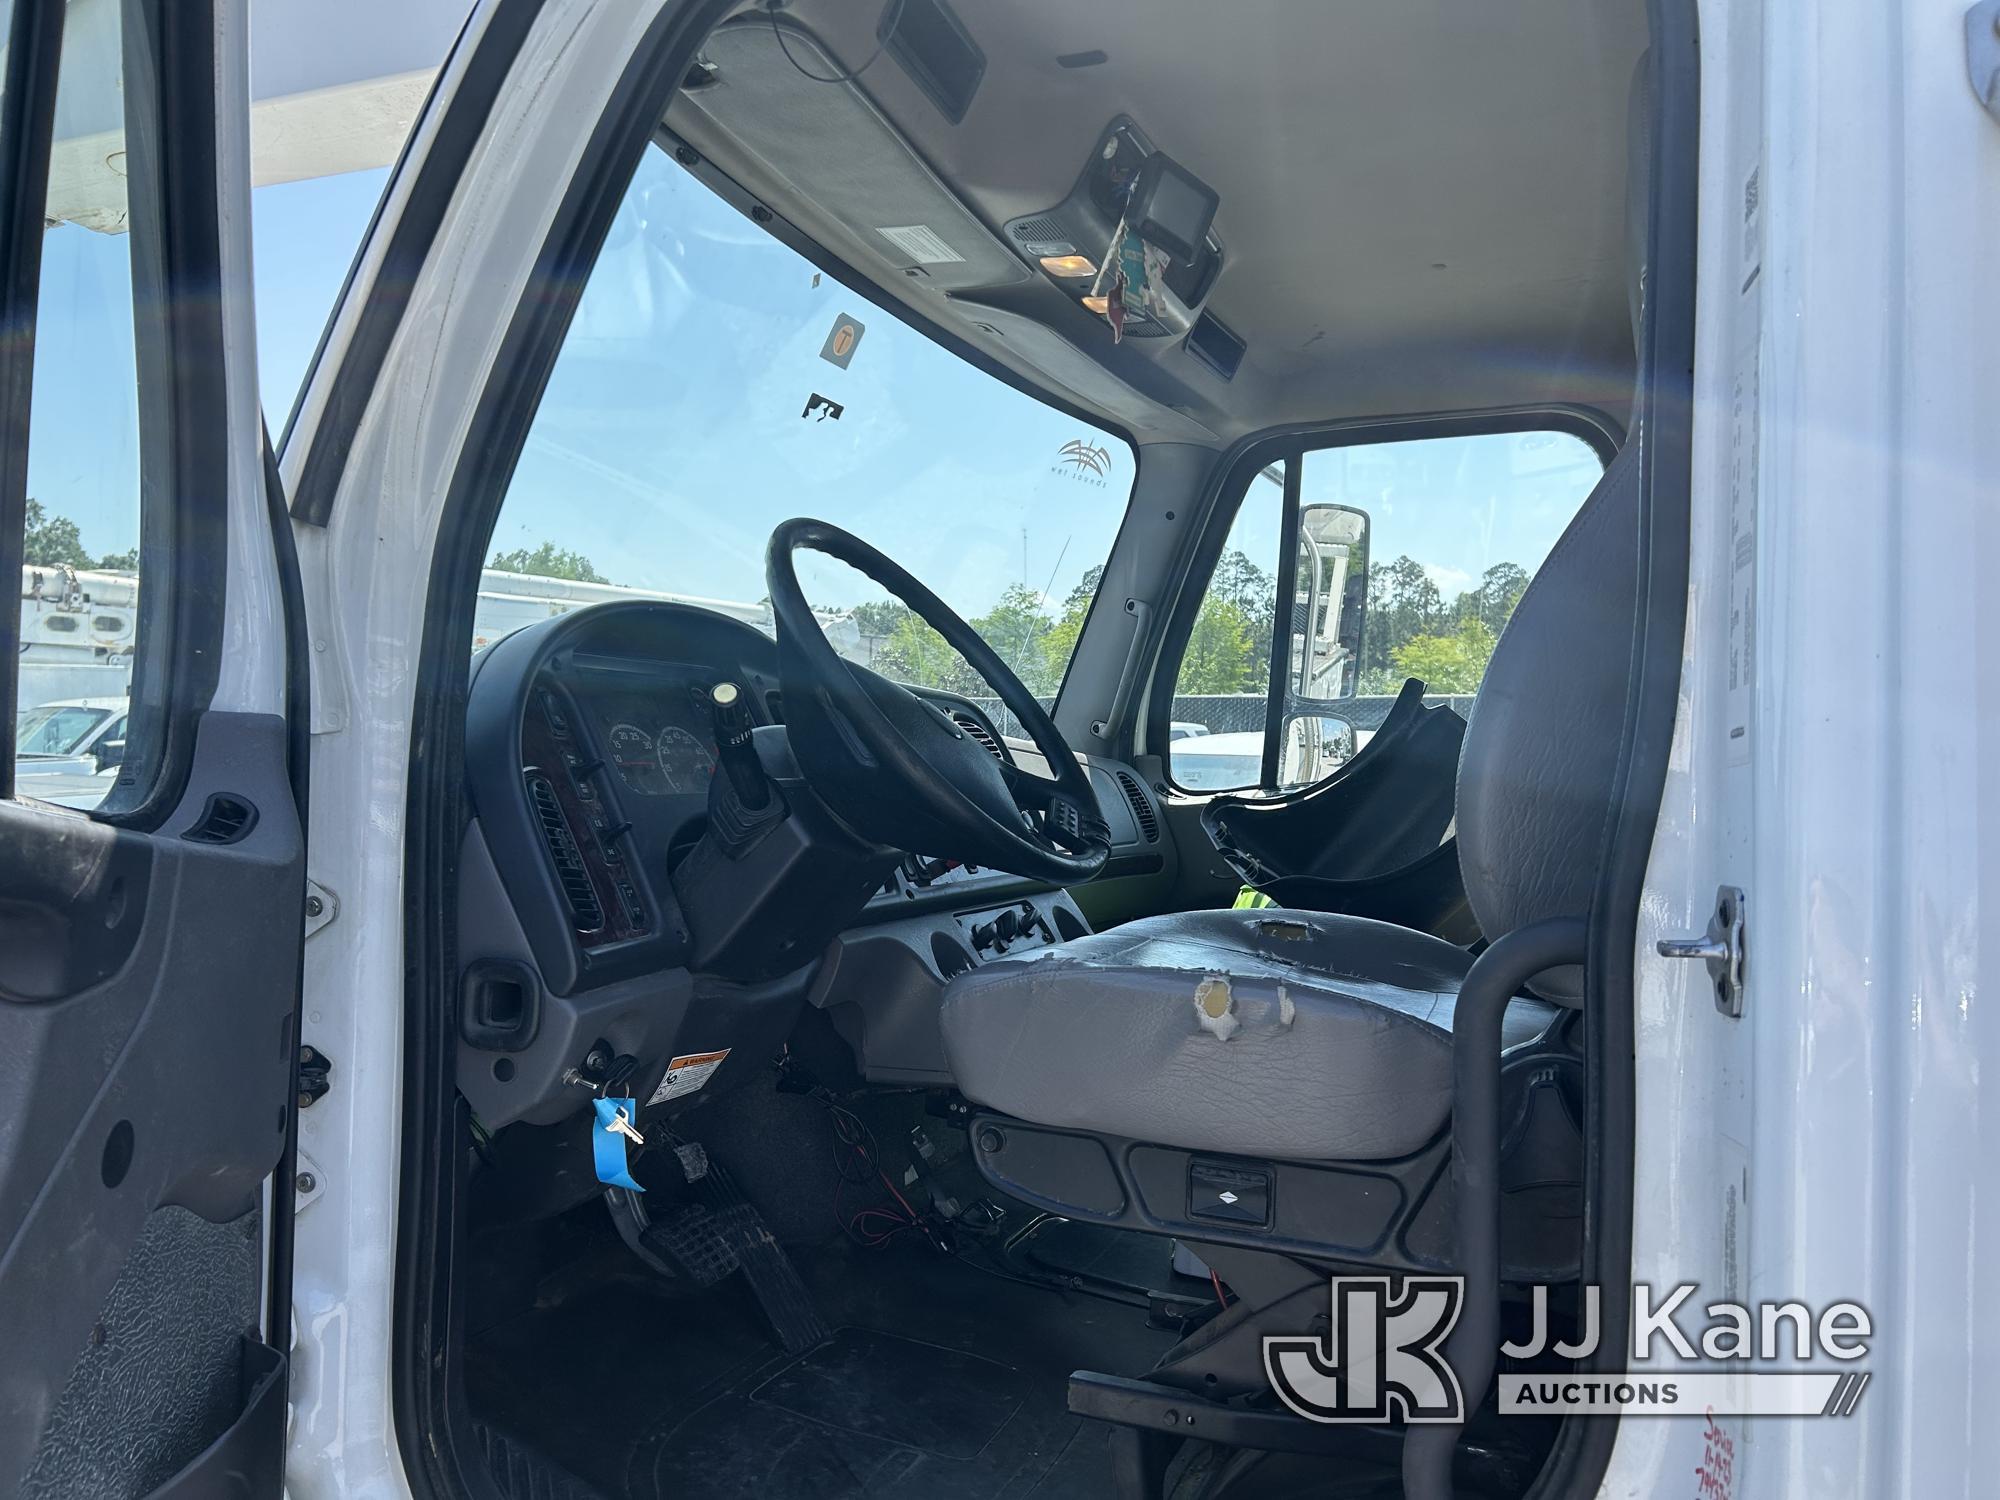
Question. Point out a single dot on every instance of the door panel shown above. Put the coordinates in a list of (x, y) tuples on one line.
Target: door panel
[(149, 938)]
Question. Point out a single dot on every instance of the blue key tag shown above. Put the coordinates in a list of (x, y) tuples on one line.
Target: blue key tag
[(607, 1140)]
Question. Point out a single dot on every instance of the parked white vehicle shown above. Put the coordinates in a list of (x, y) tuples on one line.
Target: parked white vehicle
[(68, 752)]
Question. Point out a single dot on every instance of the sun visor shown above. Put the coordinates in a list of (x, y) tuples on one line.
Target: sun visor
[(831, 144)]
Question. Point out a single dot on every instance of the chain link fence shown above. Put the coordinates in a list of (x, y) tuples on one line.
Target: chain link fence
[(1244, 713)]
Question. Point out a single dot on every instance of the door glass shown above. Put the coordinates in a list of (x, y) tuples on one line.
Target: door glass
[(1408, 561), (82, 553), (1222, 691), (1457, 527)]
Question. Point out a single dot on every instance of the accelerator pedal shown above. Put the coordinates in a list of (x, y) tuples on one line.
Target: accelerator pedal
[(781, 1292), (720, 1232)]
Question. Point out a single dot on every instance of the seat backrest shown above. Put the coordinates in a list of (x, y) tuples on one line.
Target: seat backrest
[(1536, 774)]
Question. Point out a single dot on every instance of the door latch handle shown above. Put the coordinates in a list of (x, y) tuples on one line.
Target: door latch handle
[(1721, 948)]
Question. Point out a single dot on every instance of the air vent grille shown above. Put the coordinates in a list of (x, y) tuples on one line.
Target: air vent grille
[(1142, 806), (1037, 229), (224, 820), (568, 859), (981, 733)]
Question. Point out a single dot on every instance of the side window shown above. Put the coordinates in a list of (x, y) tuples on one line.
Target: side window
[(1405, 560), (81, 536), (1222, 691)]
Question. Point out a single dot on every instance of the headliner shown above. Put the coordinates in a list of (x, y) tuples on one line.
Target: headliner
[(1422, 202)]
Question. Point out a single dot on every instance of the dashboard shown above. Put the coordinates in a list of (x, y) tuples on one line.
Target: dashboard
[(590, 754), (590, 748)]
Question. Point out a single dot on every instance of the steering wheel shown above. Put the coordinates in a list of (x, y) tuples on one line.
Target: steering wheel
[(894, 766)]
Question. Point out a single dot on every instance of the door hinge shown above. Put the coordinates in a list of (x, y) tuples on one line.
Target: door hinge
[(1721, 948), (322, 906), (315, 1076)]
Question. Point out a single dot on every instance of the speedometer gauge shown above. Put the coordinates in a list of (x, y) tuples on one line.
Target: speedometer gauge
[(638, 763), (684, 761)]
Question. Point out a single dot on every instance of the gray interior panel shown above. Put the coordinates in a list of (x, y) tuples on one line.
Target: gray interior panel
[(97, 1136), (156, 1377)]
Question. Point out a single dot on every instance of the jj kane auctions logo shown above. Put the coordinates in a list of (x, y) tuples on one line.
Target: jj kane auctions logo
[(1383, 1357)]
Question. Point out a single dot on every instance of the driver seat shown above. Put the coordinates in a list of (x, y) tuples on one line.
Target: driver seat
[(1305, 1037)]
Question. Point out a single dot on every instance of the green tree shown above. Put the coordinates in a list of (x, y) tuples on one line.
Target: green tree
[(1447, 663), (1403, 604), (878, 617), (1016, 629), (1059, 643), (548, 561), (915, 654), (1492, 602), (121, 562), (51, 541), (1220, 655)]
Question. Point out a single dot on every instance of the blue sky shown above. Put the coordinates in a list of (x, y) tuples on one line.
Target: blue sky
[(670, 440)]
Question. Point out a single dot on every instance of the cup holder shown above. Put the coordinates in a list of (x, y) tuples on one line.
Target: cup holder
[(951, 956)]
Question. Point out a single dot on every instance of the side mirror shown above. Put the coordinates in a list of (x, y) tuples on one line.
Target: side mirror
[(109, 754), (1314, 746), (1329, 603)]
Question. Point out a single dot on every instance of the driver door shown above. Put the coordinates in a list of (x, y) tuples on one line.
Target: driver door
[(150, 916)]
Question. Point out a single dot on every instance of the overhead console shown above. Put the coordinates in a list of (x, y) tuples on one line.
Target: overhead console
[(1134, 231)]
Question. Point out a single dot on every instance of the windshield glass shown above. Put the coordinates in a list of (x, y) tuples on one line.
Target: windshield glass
[(714, 383), (55, 728)]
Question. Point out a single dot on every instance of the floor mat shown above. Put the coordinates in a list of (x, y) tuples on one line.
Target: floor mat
[(901, 1391), (873, 1414), (944, 1381)]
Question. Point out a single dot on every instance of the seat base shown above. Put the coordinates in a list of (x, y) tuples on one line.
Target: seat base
[(1304, 1036)]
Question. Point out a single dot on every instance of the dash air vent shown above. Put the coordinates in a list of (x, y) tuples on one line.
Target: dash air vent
[(1142, 806), (568, 859), (981, 733), (224, 820)]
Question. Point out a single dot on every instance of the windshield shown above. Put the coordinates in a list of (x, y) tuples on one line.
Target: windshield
[(714, 383), (55, 728)]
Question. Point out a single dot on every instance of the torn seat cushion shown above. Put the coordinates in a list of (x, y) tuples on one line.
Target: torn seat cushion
[(1271, 1033)]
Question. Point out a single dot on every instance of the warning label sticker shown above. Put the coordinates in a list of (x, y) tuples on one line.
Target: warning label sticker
[(686, 1074), (921, 243)]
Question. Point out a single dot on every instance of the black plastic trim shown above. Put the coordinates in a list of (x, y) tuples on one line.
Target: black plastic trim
[(279, 1232), (1283, 607), (247, 1462), (409, 246), (177, 296), (27, 120)]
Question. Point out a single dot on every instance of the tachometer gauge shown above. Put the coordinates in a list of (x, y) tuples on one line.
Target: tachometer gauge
[(684, 761), (632, 752)]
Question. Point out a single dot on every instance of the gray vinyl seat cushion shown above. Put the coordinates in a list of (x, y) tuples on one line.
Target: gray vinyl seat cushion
[(1269, 1032)]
